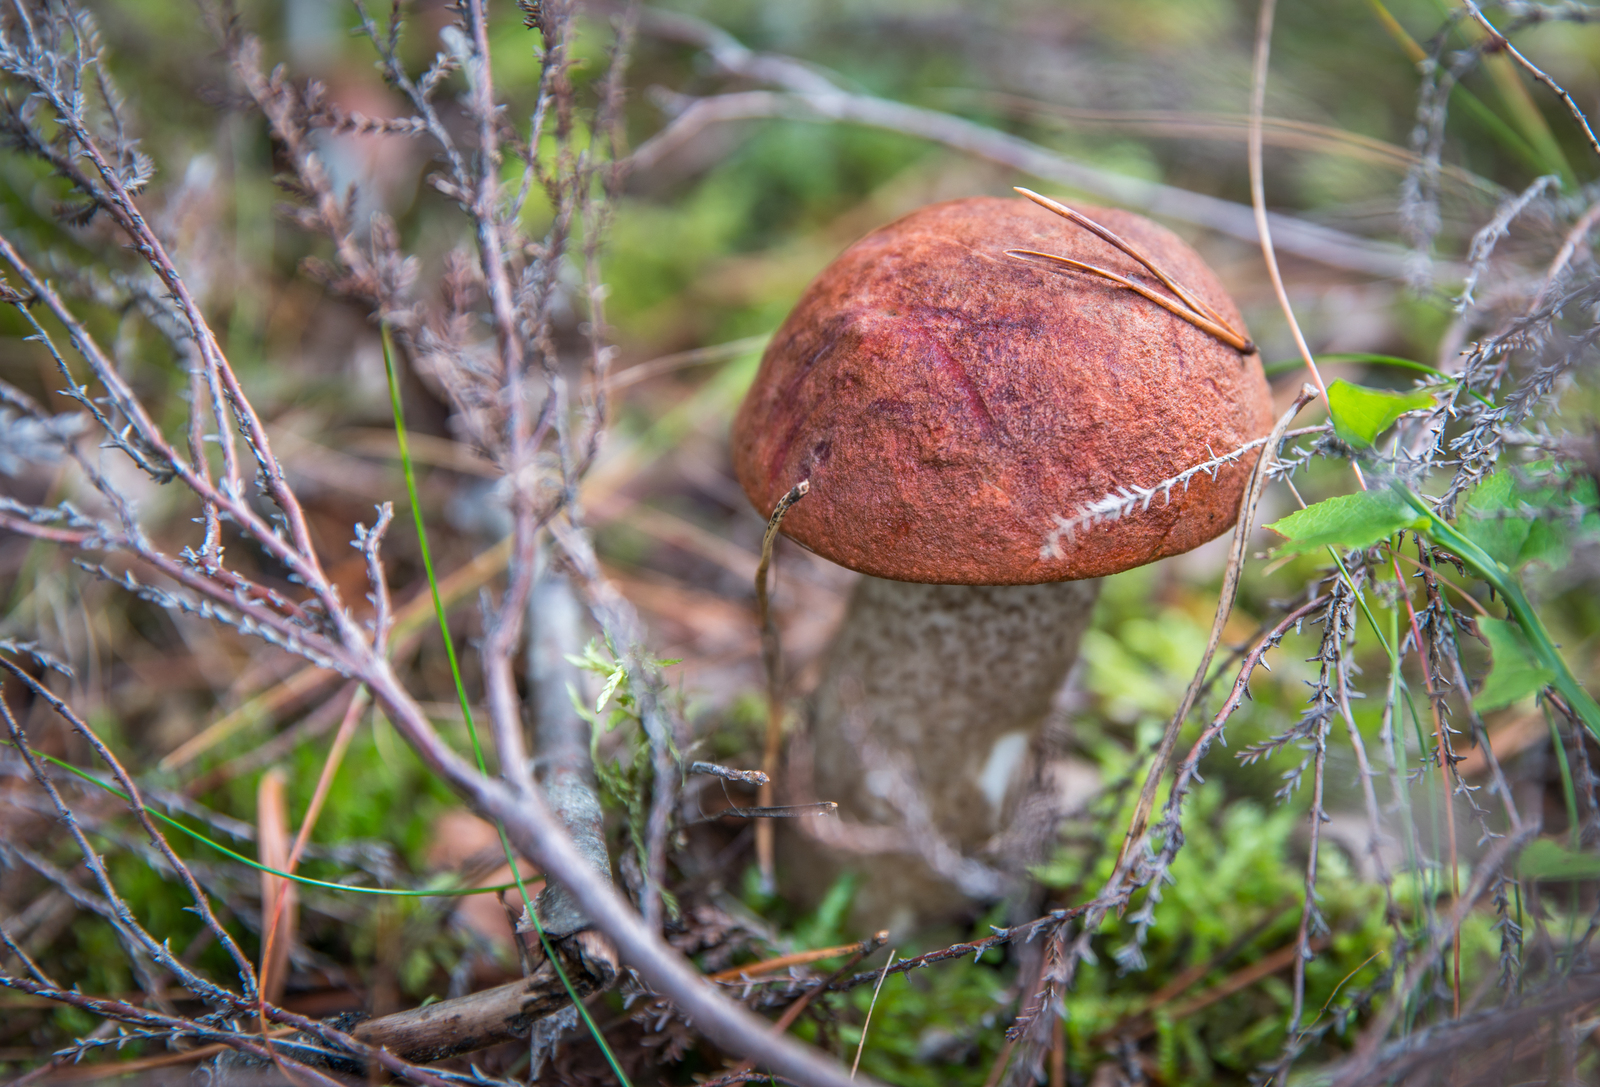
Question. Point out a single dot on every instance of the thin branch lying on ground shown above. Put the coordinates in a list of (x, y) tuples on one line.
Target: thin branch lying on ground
[(1307, 240), (809, 96)]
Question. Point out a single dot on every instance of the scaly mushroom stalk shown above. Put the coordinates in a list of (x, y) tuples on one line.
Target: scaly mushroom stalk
[(951, 396), (954, 679)]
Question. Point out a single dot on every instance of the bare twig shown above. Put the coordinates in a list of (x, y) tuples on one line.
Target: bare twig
[(1367, 1046), (1538, 73), (1258, 198), (772, 663), (160, 953), (809, 96), (782, 811), (727, 773), (1230, 586)]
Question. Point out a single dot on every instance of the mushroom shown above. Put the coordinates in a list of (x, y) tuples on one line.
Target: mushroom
[(956, 387)]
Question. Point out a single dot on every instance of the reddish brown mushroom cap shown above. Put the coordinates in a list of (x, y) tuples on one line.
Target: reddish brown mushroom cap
[(948, 402)]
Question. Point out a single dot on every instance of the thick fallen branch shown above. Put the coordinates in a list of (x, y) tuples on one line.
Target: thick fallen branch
[(482, 1019)]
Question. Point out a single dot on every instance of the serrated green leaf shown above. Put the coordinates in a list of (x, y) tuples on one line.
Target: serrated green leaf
[(1360, 414), (1514, 673), (1350, 520), (1545, 859)]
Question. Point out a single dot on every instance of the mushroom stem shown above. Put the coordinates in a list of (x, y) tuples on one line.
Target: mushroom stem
[(945, 685)]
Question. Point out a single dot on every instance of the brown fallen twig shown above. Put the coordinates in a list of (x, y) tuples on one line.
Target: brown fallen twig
[(482, 1019), (792, 1012), (798, 958)]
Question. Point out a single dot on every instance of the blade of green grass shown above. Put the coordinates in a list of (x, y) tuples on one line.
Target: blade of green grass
[(466, 706), (1289, 366), (1508, 585), (422, 542), (452, 892), (1498, 127), (1569, 792)]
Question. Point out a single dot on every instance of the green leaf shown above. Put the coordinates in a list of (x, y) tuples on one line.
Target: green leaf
[(1545, 859), (1512, 515), (1287, 366), (1360, 414), (1515, 672), (1350, 520)]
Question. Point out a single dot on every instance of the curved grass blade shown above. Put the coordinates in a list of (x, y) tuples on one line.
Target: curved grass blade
[(1509, 586), (1289, 366), (448, 892), (466, 706)]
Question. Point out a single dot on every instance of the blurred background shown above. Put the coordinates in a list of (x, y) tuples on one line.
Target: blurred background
[(725, 216)]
